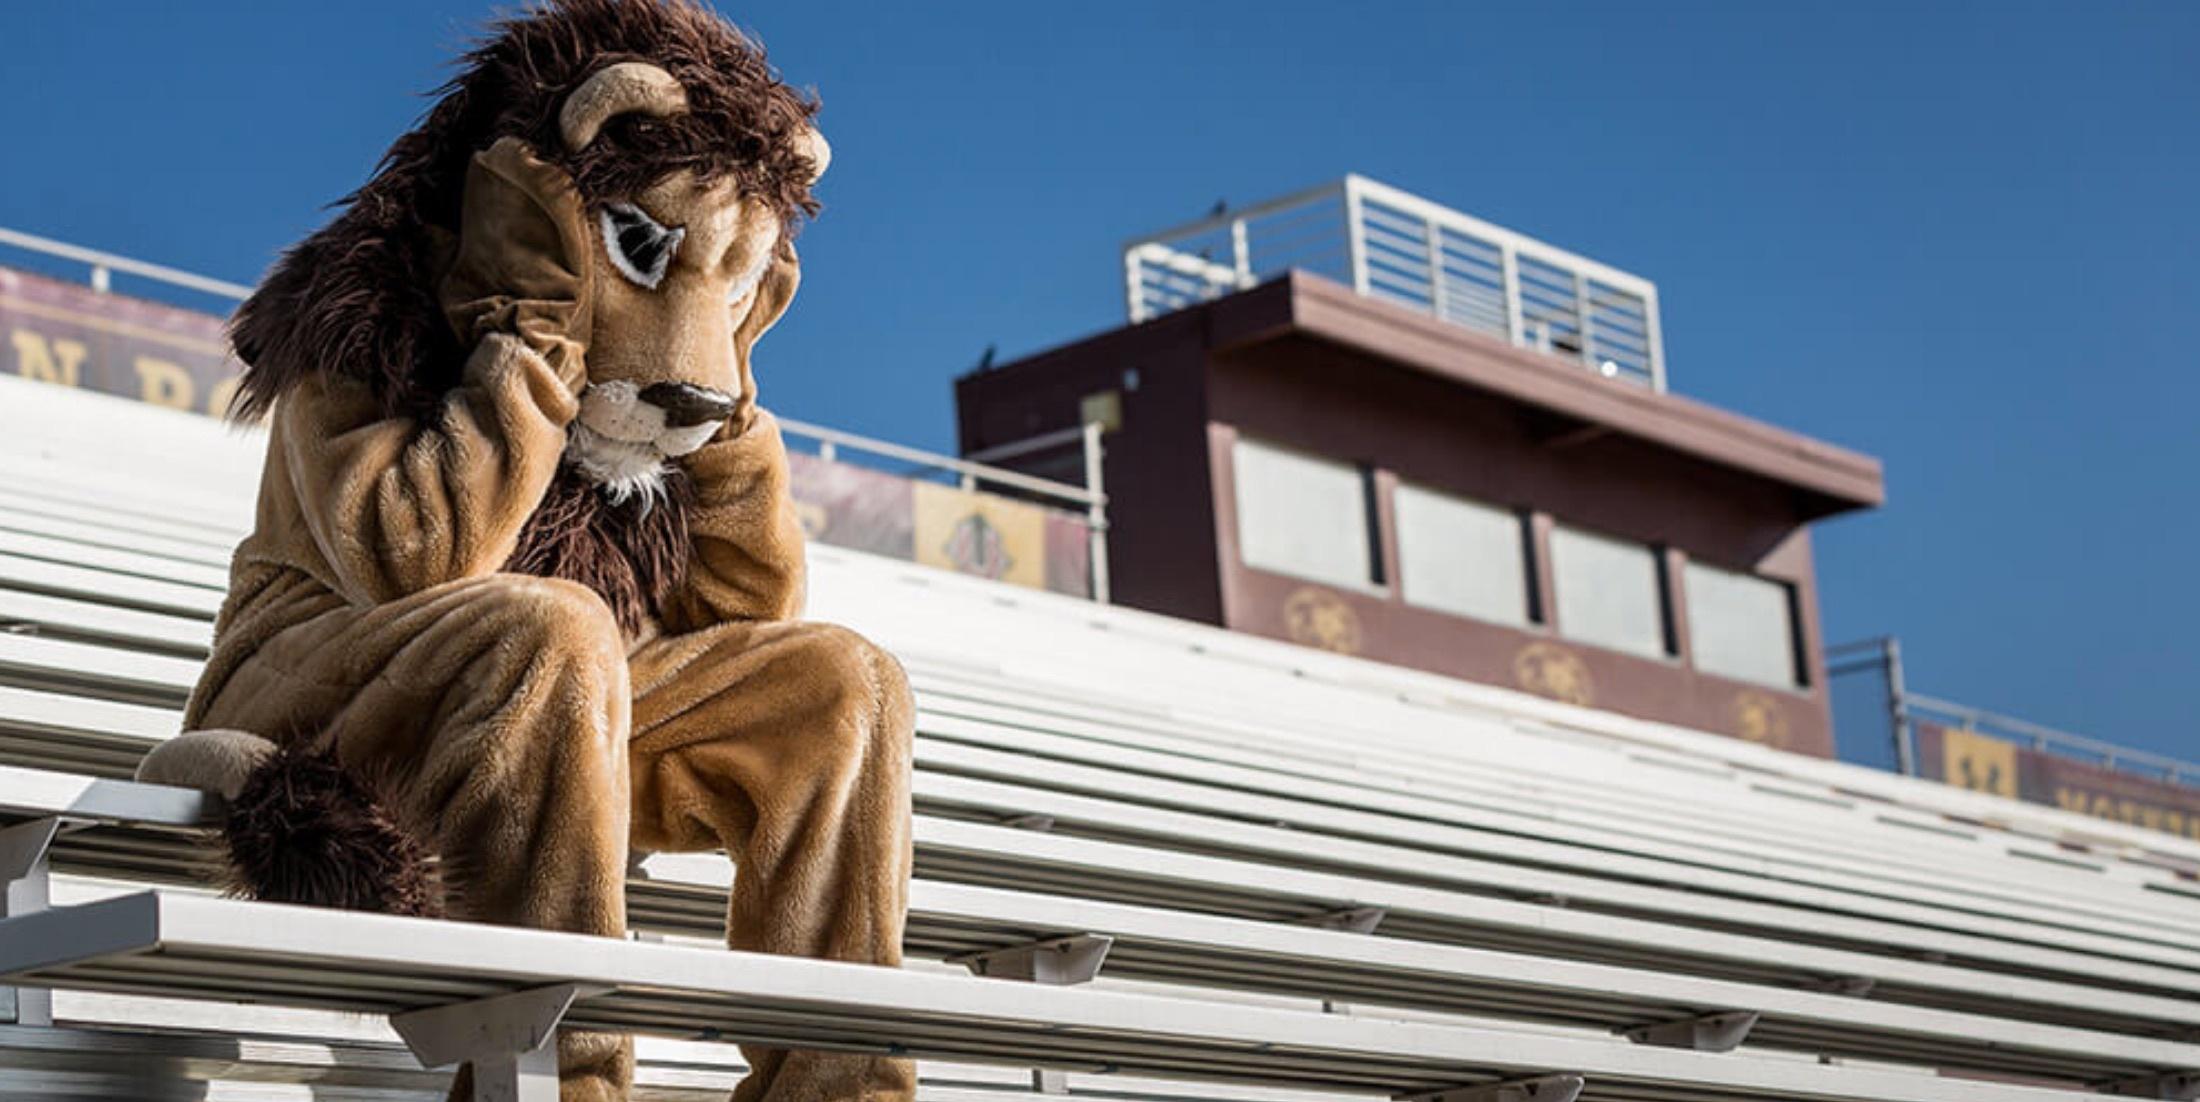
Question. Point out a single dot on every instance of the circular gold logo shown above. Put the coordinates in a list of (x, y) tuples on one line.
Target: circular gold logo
[(1319, 618), (1547, 669), (1759, 718)]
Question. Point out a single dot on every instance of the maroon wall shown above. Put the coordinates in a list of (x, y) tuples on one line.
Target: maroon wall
[(1403, 424), (1308, 364), (1161, 550)]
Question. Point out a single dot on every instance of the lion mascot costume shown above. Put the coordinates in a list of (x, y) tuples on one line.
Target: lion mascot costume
[(522, 596)]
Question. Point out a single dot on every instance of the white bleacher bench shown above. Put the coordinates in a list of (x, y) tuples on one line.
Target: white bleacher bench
[(946, 786), (497, 996), (144, 832), (1254, 832)]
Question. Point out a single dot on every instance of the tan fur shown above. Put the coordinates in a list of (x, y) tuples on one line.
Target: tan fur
[(215, 761), (508, 720), (614, 90)]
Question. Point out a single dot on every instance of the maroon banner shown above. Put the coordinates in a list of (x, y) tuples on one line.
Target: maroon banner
[(960, 530), (74, 336), (1971, 760)]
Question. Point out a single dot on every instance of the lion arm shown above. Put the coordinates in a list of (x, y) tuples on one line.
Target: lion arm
[(747, 560), (397, 505)]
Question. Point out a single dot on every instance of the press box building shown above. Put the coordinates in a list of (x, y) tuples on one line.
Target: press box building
[(1365, 422)]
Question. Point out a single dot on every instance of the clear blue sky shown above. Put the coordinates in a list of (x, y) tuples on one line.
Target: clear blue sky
[(1962, 237)]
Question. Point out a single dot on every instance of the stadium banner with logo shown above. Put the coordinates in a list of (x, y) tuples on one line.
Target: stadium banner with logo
[(74, 336), (1983, 763), (959, 530)]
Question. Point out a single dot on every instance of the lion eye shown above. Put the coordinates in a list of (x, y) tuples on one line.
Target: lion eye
[(639, 247)]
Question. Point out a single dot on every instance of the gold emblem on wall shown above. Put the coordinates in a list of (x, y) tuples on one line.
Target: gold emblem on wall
[(1979, 763), (972, 533), (1760, 718), (1319, 618), (1547, 669)]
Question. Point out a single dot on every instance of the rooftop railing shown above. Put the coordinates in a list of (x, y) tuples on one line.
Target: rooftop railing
[(1397, 247)]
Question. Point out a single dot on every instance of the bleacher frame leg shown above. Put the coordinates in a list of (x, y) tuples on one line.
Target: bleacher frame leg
[(511, 1040), (27, 870), (1054, 961)]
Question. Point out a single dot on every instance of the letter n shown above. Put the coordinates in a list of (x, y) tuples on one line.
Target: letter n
[(61, 361)]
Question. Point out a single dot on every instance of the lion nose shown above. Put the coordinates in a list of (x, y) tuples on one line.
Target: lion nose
[(686, 405)]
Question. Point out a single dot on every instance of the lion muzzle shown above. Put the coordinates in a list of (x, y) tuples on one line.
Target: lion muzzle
[(625, 433)]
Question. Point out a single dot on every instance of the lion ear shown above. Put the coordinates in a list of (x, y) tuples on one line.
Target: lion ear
[(523, 255), (774, 293)]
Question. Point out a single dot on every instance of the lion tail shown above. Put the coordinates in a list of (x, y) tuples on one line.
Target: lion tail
[(300, 827)]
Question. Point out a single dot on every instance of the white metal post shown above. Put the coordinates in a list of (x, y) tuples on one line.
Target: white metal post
[(1434, 235), (1134, 301), (1355, 234), (1584, 323), (1241, 253), (1096, 512), (1516, 325), (1656, 339), (1898, 706)]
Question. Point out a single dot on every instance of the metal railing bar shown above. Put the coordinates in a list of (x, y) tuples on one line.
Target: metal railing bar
[(1421, 255), (1014, 448), (1223, 220), (1529, 247), (99, 259), (999, 476), (1984, 722)]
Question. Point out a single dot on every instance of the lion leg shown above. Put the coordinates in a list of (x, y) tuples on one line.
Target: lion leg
[(787, 745), (490, 717)]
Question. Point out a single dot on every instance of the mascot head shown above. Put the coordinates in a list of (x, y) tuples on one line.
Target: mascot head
[(619, 180)]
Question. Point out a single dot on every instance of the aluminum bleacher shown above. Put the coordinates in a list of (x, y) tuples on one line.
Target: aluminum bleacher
[(1281, 875)]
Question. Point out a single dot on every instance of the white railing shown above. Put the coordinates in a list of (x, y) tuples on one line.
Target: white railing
[(1905, 708), (1090, 499), (103, 265), (1979, 721), (1391, 245)]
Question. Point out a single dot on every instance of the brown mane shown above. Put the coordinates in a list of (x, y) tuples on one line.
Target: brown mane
[(359, 297)]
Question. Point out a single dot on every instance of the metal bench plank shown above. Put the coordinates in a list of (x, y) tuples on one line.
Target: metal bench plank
[(148, 941)]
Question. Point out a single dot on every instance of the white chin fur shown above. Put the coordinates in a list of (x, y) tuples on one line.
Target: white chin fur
[(621, 442), (621, 469)]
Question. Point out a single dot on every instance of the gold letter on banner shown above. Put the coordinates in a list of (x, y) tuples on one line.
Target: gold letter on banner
[(62, 362), (163, 383), (1979, 763)]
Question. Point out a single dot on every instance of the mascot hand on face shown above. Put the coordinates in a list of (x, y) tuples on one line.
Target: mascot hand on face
[(523, 589)]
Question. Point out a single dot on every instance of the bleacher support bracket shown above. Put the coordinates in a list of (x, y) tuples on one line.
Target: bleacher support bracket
[(1055, 962), (1721, 1032), (509, 1039), (1351, 920)]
